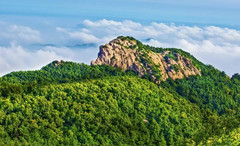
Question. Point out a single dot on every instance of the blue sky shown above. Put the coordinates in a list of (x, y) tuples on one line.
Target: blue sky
[(37, 32), (181, 11)]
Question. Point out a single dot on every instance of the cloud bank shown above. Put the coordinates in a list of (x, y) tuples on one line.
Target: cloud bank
[(18, 34), (210, 44)]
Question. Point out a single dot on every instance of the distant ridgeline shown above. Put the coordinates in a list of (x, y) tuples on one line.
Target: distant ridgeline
[(133, 94)]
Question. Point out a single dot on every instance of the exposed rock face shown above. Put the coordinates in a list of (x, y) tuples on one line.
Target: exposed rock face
[(124, 53)]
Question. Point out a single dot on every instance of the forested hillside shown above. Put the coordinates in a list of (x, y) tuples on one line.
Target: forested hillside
[(67, 103)]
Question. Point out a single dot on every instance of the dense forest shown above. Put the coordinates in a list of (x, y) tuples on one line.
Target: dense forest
[(68, 103)]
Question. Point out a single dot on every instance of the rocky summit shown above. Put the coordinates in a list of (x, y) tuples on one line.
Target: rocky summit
[(158, 64)]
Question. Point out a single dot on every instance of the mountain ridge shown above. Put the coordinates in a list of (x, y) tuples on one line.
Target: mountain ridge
[(67, 103)]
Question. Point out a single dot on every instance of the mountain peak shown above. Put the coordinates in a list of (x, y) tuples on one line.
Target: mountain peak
[(126, 42), (55, 63), (128, 53)]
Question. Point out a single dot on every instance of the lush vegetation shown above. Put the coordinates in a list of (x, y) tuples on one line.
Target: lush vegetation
[(116, 110), (67, 103), (213, 90), (59, 73)]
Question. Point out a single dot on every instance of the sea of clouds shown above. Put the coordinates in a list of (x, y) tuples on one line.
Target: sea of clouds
[(26, 48)]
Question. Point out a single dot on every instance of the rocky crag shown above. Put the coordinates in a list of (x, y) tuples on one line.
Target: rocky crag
[(129, 54)]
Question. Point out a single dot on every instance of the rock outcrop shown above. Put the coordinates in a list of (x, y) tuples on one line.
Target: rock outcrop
[(125, 53)]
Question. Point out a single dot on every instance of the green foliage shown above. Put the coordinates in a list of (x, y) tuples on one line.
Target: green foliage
[(108, 111), (170, 56), (62, 72), (126, 38), (111, 108), (213, 90), (68, 103), (175, 67)]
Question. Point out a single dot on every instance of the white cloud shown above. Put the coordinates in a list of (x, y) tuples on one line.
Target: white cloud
[(80, 55), (202, 42), (85, 37), (18, 34), (16, 58), (212, 45), (23, 32), (103, 22), (60, 29)]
